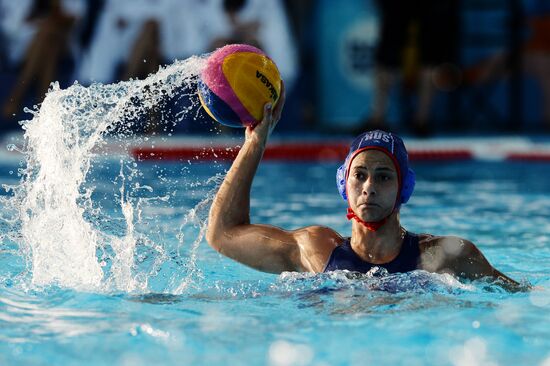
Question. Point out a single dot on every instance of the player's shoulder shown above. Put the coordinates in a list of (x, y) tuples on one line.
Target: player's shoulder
[(316, 244), (318, 233), (439, 252), (447, 242)]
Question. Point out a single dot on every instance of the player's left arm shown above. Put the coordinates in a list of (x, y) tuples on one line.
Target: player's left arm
[(460, 257), (469, 262)]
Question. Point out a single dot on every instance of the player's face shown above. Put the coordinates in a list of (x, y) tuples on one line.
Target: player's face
[(372, 185)]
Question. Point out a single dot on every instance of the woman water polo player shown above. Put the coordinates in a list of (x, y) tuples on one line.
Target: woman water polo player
[(375, 180)]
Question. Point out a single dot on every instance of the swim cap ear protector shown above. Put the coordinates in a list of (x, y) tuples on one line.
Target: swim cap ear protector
[(390, 144)]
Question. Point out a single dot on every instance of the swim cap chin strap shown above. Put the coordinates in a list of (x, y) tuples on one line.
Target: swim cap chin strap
[(372, 226)]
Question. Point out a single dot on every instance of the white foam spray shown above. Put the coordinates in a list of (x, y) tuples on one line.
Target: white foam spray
[(52, 202), (197, 217)]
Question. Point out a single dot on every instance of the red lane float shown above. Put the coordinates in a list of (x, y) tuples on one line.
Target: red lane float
[(529, 156), (294, 152)]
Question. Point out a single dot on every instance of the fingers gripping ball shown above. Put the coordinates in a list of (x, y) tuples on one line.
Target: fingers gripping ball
[(237, 82)]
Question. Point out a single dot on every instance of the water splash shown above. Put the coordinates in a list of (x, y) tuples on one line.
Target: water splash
[(197, 216), (123, 261), (377, 279), (51, 207)]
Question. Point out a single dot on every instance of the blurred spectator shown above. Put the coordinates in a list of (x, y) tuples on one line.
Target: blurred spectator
[(240, 31), (264, 24), (42, 28), (134, 37), (17, 32), (94, 8), (417, 38), (535, 57), (193, 26), (129, 41), (301, 104), (537, 51)]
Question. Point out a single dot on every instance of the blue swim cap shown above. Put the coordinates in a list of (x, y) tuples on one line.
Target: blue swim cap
[(391, 145)]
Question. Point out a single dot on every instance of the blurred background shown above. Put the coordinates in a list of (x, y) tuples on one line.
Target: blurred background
[(417, 67)]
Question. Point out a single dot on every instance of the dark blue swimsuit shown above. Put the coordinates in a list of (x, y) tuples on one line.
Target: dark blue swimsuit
[(343, 257)]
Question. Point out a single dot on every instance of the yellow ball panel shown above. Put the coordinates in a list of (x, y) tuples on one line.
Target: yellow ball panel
[(255, 80)]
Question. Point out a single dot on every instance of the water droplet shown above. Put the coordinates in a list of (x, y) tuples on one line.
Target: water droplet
[(282, 353), (546, 362), (540, 297), (472, 352)]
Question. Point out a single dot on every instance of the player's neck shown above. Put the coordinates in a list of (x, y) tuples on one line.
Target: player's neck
[(380, 246)]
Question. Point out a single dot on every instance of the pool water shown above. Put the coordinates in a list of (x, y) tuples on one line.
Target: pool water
[(158, 294), (103, 259)]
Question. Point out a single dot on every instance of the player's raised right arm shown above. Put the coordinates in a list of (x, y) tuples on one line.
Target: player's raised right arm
[(229, 231)]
